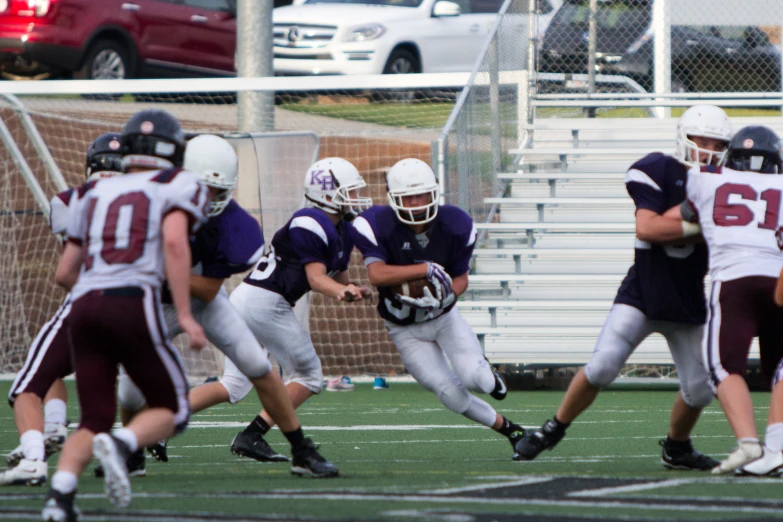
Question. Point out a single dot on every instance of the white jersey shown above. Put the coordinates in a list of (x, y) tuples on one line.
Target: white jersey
[(739, 213), (118, 223)]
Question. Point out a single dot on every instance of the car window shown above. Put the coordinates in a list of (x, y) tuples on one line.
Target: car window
[(616, 15), (734, 32), (395, 3), (224, 6), (484, 6)]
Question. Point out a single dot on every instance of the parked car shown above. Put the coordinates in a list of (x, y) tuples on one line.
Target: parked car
[(381, 36), (112, 39), (704, 58)]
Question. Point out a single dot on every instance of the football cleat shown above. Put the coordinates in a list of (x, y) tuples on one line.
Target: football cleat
[(769, 465), (26, 473), (380, 384), (690, 459), (534, 442), (253, 445), (159, 450), (54, 438), (307, 461), (136, 464), (59, 507), (746, 452), (500, 391), (340, 384), (113, 453)]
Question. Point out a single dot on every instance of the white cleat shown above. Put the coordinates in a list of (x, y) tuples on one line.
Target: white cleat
[(107, 449), (745, 453), (26, 473), (54, 438), (769, 465)]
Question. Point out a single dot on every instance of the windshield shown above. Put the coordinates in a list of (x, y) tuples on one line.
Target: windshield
[(393, 3), (615, 15)]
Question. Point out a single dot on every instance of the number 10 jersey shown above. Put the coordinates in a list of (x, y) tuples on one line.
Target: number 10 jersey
[(117, 221), (739, 213)]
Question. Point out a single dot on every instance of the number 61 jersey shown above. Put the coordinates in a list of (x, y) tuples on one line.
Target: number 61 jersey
[(739, 213), (117, 221)]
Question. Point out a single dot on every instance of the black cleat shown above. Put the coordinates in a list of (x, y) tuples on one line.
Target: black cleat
[(307, 461), (159, 450), (500, 391), (690, 459), (59, 507), (253, 445), (137, 465), (534, 442)]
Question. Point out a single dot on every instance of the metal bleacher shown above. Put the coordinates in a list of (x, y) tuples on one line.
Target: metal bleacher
[(547, 267)]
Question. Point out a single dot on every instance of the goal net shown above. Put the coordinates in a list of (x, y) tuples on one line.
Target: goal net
[(310, 119)]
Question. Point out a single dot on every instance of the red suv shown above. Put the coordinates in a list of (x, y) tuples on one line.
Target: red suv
[(112, 39)]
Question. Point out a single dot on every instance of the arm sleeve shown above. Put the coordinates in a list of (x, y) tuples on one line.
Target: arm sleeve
[(58, 215), (366, 241), (463, 251), (189, 194), (309, 240), (76, 230), (645, 191)]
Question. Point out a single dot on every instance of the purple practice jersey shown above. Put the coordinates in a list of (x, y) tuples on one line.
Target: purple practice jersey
[(666, 282), (382, 237), (308, 237), (229, 243)]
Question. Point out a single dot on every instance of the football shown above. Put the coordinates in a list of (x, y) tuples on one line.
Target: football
[(413, 288)]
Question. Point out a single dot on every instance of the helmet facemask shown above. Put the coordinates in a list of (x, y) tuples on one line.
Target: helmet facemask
[(340, 199), (104, 166), (415, 215), (692, 152)]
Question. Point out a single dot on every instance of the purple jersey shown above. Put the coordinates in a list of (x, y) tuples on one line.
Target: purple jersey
[(382, 237), (666, 282), (229, 243), (308, 237)]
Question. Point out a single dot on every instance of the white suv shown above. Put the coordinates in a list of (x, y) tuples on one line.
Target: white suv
[(380, 36)]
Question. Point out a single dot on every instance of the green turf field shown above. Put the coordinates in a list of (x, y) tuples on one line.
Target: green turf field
[(402, 456)]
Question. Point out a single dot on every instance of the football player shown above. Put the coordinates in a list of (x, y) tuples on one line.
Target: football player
[(125, 233), (231, 242), (738, 210), (663, 292), (49, 357), (310, 252), (415, 237)]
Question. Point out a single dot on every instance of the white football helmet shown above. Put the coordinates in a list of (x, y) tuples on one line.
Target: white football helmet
[(333, 184), (215, 162), (708, 121), (411, 177)]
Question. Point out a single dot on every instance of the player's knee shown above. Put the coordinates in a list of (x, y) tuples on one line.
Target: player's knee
[(482, 378), (310, 378), (697, 394), (253, 364), (455, 398), (600, 372), (129, 395), (237, 386)]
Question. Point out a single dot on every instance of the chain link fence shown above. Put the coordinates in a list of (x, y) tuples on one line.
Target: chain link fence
[(667, 45)]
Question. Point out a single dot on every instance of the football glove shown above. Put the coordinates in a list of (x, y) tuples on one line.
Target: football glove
[(440, 279), (426, 302)]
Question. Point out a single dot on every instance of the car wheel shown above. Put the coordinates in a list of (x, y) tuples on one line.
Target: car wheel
[(105, 60), (401, 61)]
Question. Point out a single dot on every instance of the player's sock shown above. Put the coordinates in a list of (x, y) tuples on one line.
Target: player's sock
[(677, 447), (54, 412), (559, 426), (128, 437), (773, 439), (511, 430), (65, 482), (32, 445), (296, 437), (259, 425)]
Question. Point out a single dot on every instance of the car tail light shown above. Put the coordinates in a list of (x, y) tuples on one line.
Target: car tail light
[(30, 7)]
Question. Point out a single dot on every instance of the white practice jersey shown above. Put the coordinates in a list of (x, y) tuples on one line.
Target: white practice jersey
[(118, 223), (739, 213)]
